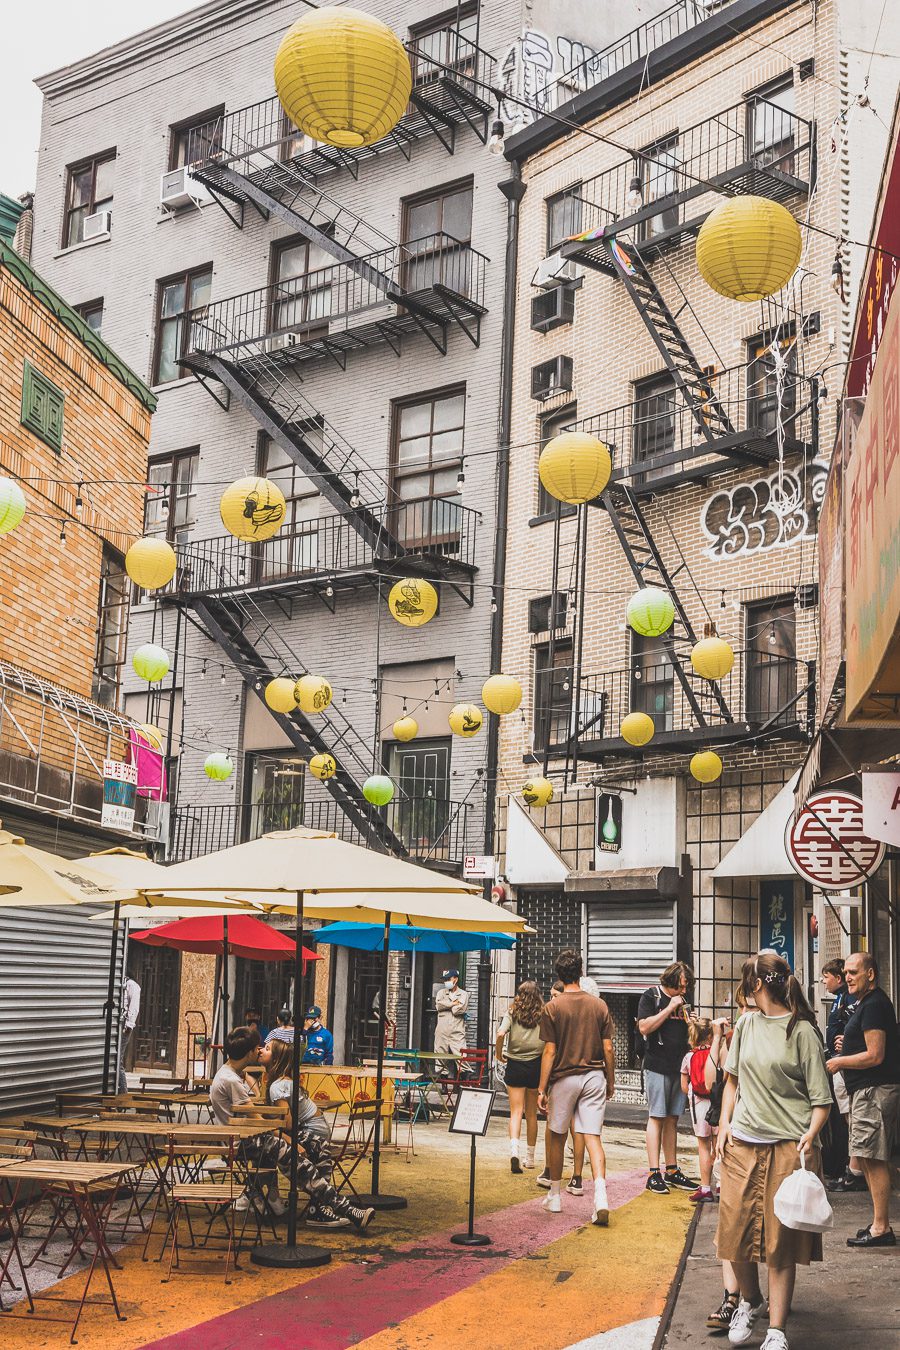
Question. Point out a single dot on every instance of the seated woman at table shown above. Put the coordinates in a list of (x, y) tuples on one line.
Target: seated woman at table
[(327, 1208), (284, 1031)]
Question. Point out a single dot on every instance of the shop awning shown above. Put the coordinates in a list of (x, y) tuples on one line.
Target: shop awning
[(840, 752), (656, 880), (760, 851)]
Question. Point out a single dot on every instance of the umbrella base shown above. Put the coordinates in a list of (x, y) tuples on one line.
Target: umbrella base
[(471, 1239), (281, 1256), (380, 1202)]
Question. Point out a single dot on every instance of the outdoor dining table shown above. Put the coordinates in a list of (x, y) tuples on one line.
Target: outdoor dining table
[(349, 1084)]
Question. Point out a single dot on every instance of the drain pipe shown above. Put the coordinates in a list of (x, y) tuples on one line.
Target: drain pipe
[(513, 190)]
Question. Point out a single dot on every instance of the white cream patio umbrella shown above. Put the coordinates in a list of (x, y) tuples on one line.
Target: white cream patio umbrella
[(33, 877)]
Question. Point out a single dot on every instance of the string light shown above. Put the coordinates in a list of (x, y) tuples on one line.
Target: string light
[(79, 500), (722, 601), (62, 534), (222, 681), (772, 636)]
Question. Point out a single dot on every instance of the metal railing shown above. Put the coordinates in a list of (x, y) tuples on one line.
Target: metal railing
[(434, 829), (329, 300), (433, 527)]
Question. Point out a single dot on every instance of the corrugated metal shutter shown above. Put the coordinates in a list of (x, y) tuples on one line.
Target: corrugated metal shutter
[(628, 945)]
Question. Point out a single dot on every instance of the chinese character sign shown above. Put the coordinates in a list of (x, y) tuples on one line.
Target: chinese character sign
[(827, 844), (119, 788), (776, 918)]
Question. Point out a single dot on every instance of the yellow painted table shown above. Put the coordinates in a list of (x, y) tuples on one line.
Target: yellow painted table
[(346, 1083)]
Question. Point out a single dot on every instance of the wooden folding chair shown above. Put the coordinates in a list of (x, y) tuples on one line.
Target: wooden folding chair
[(73, 1103), (216, 1198), (357, 1143)]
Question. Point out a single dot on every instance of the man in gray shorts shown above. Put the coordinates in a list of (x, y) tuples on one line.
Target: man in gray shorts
[(578, 1071), (662, 1022)]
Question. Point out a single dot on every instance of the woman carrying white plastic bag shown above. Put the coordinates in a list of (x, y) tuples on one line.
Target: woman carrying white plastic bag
[(801, 1202), (776, 1102)]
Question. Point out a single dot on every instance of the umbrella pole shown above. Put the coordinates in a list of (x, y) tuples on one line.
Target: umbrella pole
[(110, 997), (375, 1200), (289, 1255), (224, 984)]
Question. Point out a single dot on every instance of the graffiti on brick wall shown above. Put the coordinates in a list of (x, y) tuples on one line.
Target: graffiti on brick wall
[(773, 512), (532, 63)]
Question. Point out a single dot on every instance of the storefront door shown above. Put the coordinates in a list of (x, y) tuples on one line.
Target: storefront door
[(158, 972)]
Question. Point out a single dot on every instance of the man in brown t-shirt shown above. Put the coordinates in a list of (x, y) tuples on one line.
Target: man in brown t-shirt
[(578, 1070)]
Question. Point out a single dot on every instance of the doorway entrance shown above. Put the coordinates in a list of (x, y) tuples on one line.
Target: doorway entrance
[(429, 979), (158, 972), (364, 1004)]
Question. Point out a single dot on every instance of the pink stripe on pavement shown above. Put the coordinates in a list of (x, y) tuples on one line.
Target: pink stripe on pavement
[(353, 1302)]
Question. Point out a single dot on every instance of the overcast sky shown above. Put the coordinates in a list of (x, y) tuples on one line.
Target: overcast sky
[(42, 35)]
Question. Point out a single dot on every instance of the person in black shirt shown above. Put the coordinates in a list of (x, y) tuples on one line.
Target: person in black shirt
[(845, 1173), (869, 1058), (662, 1021)]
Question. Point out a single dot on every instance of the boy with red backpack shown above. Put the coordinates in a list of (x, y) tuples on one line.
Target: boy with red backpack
[(694, 1082)]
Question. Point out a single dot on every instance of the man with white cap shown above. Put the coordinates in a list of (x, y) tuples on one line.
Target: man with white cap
[(450, 1034)]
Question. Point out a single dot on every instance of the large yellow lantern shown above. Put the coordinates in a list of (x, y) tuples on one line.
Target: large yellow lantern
[(712, 658), (706, 766), (406, 729), (650, 612), (312, 693), (465, 719), (413, 601), (637, 728), (323, 767), (342, 77), (280, 695), (537, 792), (151, 662), (748, 248), (12, 504), (501, 694), (575, 467), (151, 563), (252, 508)]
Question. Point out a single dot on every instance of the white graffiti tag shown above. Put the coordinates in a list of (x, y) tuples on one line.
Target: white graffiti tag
[(765, 514)]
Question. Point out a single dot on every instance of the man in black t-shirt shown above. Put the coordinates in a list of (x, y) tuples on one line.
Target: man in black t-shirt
[(662, 1021), (869, 1058)]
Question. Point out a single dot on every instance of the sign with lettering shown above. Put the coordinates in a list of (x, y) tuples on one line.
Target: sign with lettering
[(827, 844), (776, 918), (472, 1112), (609, 822), (477, 866), (881, 806), (119, 790)]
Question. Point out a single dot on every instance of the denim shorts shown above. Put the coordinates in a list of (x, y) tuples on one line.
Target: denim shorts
[(664, 1094)]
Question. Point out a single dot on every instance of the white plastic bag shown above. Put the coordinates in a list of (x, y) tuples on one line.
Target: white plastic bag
[(801, 1202)]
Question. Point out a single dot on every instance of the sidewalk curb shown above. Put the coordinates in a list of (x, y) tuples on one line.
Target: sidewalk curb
[(675, 1288)]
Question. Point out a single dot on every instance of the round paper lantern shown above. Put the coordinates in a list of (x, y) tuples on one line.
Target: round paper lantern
[(650, 611), (406, 729), (413, 601), (537, 792), (501, 694), (152, 734), (218, 767), (574, 467), (12, 504), (280, 695), (151, 563), (706, 766), (465, 719), (312, 693), (748, 247), (342, 77), (252, 508), (637, 728), (151, 662), (712, 658), (378, 789), (323, 767)]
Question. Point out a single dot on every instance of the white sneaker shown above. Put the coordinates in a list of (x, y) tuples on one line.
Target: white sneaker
[(243, 1201), (741, 1328), (552, 1204), (775, 1340)]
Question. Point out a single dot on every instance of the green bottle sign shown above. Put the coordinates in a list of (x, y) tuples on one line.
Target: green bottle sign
[(609, 822)]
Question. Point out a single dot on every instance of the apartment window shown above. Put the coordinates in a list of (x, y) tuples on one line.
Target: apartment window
[(652, 681), (176, 298), (551, 426), (170, 509), (653, 421), (564, 216), (42, 406), (437, 233), (771, 660), (539, 612), (92, 313), (301, 278), (762, 383), (196, 139), (295, 548), (771, 123), (427, 459), (658, 171), (445, 41), (553, 699), (112, 628), (89, 189), (277, 783)]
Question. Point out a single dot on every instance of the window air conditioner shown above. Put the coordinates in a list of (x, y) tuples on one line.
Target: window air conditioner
[(551, 377), (178, 189), (553, 269), (96, 226), (552, 308)]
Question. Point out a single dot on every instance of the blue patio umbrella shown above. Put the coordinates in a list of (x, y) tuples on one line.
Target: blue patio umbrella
[(369, 937)]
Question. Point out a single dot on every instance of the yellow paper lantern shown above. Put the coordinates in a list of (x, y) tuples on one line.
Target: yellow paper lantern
[(650, 611), (151, 662), (151, 563), (575, 467), (152, 734), (406, 729), (280, 696), (706, 766), (413, 601), (252, 508), (312, 693), (748, 248), (465, 719), (537, 792), (712, 658), (637, 728), (501, 694), (12, 504), (218, 767), (343, 77), (323, 767)]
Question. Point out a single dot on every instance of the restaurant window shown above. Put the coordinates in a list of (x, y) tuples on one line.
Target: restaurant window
[(762, 383), (301, 275), (771, 661), (437, 233), (445, 41), (295, 548), (564, 216), (112, 629), (171, 505), (552, 693), (653, 421), (92, 313), (551, 426), (176, 297), (652, 681), (658, 170), (197, 139), (89, 189), (771, 122), (427, 460)]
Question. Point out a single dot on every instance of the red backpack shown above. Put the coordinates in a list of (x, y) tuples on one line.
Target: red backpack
[(698, 1072)]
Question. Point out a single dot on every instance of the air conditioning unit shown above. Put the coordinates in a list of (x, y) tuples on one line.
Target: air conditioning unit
[(96, 226), (178, 189), (553, 308), (553, 269), (278, 341), (551, 377)]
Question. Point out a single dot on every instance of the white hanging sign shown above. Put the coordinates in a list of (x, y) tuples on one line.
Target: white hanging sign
[(881, 806)]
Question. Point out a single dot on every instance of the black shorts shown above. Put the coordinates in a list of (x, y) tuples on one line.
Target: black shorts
[(523, 1073)]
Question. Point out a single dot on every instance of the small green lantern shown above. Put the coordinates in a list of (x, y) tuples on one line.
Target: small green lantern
[(218, 767), (650, 612), (378, 789)]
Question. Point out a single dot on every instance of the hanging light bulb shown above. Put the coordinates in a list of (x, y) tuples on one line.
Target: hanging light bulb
[(635, 198), (164, 501), (257, 684), (497, 142), (79, 500), (772, 637), (354, 495), (222, 679), (821, 392), (242, 569), (837, 278), (329, 590), (493, 601), (461, 477), (722, 601), (203, 671), (62, 534)]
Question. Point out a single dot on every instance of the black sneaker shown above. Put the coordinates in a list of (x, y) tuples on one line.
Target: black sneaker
[(656, 1184), (515, 1166), (361, 1218), (575, 1187), (326, 1217), (848, 1182), (720, 1320), (543, 1179), (675, 1177)]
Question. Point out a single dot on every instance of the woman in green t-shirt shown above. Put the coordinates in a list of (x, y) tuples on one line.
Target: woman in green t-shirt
[(520, 1047), (775, 1103)]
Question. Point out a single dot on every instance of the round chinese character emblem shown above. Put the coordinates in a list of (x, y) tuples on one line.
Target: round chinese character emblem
[(826, 843)]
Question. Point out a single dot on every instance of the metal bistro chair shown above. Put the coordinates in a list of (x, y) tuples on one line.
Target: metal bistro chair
[(356, 1145), (471, 1071)]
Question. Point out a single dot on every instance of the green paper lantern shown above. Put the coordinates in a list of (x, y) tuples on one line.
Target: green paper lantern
[(151, 662), (378, 789), (650, 612), (218, 767), (12, 505)]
